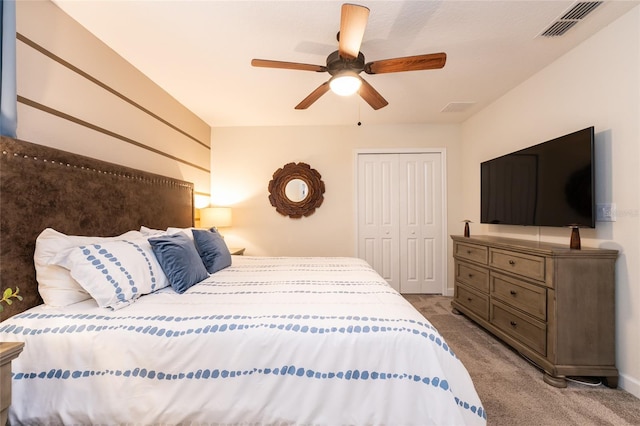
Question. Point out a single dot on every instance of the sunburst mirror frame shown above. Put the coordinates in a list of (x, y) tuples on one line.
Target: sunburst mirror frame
[(278, 185)]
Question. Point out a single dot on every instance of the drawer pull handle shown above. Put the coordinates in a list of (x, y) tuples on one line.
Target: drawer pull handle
[(513, 323), (470, 275), (512, 262), (469, 299), (468, 251), (513, 292)]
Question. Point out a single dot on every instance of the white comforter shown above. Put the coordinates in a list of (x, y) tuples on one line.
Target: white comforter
[(313, 341)]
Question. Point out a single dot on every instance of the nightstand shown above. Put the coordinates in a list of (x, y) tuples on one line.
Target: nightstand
[(238, 251), (8, 352)]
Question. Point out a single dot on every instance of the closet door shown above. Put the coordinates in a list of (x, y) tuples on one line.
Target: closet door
[(400, 219), (420, 223), (378, 204)]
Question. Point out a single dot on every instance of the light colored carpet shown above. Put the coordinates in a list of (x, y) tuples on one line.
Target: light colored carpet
[(511, 389)]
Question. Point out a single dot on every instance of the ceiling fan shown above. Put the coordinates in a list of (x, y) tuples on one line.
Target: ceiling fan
[(346, 63)]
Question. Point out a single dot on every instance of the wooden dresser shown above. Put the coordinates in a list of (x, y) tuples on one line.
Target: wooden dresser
[(554, 305), (8, 352)]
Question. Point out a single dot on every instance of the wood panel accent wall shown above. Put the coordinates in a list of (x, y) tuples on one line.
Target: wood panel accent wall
[(76, 94)]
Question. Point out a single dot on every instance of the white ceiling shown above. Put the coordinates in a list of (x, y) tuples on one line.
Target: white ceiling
[(200, 52)]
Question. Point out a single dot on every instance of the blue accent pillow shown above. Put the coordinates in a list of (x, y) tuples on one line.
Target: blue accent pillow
[(212, 249), (179, 260)]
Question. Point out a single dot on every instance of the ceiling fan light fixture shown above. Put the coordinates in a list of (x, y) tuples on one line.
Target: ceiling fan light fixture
[(345, 84), (345, 64)]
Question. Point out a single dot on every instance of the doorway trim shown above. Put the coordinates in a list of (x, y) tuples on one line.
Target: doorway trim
[(443, 169)]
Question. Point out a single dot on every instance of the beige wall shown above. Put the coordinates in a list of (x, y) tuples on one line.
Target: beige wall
[(597, 83), (244, 159), (76, 94)]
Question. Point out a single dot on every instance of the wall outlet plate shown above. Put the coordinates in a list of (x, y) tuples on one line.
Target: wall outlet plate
[(606, 212)]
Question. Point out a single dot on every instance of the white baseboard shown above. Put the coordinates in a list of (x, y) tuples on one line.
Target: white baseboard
[(629, 384)]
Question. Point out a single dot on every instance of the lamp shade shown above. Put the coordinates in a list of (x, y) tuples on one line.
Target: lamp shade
[(345, 84), (219, 217)]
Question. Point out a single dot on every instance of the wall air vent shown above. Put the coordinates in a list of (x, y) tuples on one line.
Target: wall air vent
[(571, 17)]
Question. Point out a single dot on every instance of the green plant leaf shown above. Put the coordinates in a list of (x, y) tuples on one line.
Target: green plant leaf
[(7, 293), (8, 301)]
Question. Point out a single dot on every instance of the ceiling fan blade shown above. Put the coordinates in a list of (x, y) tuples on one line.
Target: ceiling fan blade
[(371, 95), (265, 63), (409, 63), (314, 96), (353, 22)]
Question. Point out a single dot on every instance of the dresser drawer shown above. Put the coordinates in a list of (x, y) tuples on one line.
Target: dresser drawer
[(529, 298), (476, 302), (471, 252), (524, 329), (518, 263), (473, 276)]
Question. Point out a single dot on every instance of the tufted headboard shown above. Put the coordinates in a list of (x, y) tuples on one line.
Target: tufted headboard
[(43, 187)]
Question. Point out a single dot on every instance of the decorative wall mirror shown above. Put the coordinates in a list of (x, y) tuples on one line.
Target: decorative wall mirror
[(296, 190)]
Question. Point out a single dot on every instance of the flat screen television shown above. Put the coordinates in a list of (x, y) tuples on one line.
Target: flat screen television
[(549, 184)]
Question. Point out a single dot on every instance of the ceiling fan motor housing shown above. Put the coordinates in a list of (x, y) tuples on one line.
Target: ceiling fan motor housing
[(337, 64)]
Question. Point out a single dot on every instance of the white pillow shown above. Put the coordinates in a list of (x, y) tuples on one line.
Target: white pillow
[(55, 284), (187, 231), (114, 273), (150, 232)]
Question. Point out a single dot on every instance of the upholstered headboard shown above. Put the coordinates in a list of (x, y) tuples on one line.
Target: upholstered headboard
[(42, 187)]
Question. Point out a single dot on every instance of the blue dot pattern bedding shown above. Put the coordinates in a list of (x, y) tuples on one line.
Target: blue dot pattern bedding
[(313, 341)]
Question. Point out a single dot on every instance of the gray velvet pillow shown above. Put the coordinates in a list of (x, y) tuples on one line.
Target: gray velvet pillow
[(179, 260), (212, 249)]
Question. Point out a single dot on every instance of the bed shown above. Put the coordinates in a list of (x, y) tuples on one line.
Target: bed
[(266, 340)]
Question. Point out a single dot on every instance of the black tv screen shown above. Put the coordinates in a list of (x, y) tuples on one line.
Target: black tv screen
[(549, 184)]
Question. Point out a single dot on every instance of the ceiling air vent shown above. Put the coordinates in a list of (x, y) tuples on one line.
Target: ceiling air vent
[(581, 9), (457, 106), (571, 17)]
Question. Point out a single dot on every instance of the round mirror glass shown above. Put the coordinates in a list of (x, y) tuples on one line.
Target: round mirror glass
[(296, 190)]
